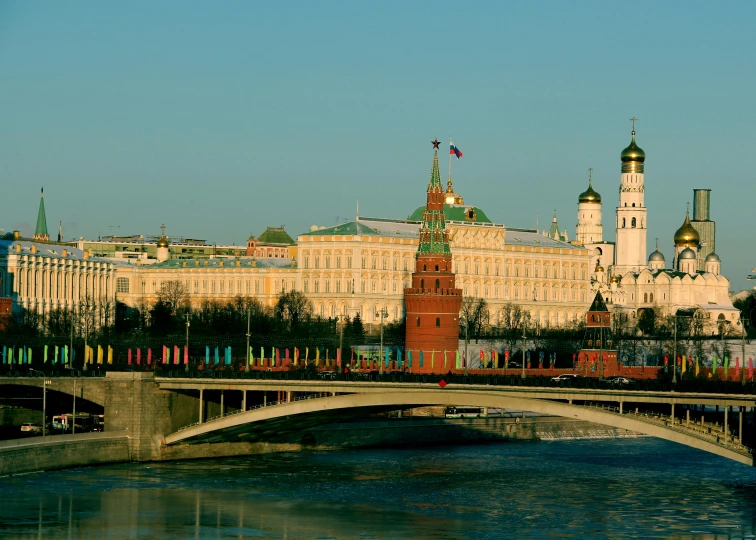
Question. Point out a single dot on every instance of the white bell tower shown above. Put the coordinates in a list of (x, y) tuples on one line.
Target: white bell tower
[(630, 253), (589, 229)]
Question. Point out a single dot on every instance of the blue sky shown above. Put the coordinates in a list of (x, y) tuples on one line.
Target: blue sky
[(219, 118)]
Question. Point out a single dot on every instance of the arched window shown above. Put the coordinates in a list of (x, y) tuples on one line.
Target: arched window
[(632, 223), (438, 283), (651, 297), (645, 298), (436, 268), (438, 321), (418, 321), (422, 283)]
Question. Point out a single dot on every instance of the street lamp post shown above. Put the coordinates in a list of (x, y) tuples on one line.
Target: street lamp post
[(382, 314), (73, 420), (467, 340), (246, 354), (524, 328), (44, 406), (743, 344), (601, 349), (186, 366), (674, 351)]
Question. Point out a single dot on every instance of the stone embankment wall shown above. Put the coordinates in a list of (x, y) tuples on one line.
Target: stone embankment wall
[(409, 431), (62, 451)]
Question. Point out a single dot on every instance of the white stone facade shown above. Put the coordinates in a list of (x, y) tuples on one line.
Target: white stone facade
[(45, 277)]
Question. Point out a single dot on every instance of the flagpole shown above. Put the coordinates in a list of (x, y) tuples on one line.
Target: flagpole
[(450, 160)]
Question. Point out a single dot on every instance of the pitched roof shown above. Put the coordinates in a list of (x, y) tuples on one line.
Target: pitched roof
[(41, 229), (598, 303), (454, 212), (346, 229), (275, 235)]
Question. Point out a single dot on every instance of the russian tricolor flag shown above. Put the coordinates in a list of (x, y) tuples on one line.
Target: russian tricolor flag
[(454, 150)]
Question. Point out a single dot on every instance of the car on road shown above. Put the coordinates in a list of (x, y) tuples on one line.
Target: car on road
[(31, 429), (327, 375), (619, 380), (512, 365), (566, 377)]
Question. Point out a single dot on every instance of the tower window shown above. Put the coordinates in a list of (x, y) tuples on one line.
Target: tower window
[(438, 321), (438, 284), (632, 223), (436, 269), (418, 321), (623, 223)]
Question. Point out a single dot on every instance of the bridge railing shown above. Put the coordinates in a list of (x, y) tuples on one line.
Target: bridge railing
[(493, 379), (546, 381), (711, 434), (47, 373), (254, 407)]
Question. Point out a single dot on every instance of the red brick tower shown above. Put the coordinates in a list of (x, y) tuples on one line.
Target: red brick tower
[(597, 350), (432, 303)]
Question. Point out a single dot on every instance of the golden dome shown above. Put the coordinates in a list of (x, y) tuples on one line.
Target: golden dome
[(163, 240), (633, 152), (590, 195), (687, 235)]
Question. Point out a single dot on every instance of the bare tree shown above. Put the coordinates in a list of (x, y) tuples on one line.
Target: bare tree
[(514, 320), (474, 314), (87, 317), (174, 295), (293, 307)]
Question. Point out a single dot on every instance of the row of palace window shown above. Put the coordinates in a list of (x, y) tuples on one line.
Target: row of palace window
[(517, 291), (204, 286), (60, 285), (331, 311), (518, 270)]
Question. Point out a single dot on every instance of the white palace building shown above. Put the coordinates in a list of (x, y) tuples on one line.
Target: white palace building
[(364, 265)]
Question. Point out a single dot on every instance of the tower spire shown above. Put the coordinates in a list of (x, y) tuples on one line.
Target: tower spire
[(433, 236), (40, 232)]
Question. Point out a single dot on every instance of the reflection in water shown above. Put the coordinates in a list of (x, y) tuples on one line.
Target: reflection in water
[(627, 488)]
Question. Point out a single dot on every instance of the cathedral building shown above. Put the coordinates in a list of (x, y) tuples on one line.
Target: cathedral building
[(643, 288)]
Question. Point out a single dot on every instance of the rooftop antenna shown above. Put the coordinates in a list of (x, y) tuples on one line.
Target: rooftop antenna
[(537, 225)]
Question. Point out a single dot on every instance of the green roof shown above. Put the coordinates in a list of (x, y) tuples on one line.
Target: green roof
[(41, 229), (228, 263), (348, 229), (454, 212), (275, 235)]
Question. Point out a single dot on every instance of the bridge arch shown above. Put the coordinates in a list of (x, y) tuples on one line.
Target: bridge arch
[(241, 426), (87, 389)]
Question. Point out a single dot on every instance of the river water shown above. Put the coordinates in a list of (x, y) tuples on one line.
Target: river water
[(611, 488)]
